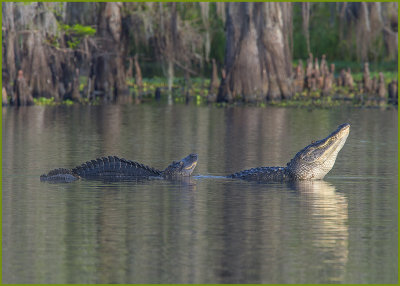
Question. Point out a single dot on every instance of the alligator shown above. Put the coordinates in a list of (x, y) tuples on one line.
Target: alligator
[(115, 168), (311, 163)]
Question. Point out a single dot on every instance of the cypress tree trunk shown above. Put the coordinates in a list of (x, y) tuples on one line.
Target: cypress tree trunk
[(305, 13), (109, 72), (257, 59), (26, 49)]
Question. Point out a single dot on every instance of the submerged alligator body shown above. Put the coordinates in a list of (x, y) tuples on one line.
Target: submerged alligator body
[(114, 168), (311, 163)]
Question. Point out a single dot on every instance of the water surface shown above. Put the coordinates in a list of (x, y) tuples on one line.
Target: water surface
[(206, 229)]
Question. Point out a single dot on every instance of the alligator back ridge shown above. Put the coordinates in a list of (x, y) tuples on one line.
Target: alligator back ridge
[(114, 166)]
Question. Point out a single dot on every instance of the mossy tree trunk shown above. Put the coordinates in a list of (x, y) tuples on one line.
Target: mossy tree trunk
[(34, 44), (108, 65), (258, 57)]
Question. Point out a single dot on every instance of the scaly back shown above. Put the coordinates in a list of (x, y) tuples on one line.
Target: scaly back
[(115, 167)]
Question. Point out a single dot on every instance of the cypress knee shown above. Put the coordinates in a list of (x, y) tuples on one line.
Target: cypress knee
[(23, 94), (4, 97), (381, 86), (366, 79), (392, 88), (214, 83), (138, 73)]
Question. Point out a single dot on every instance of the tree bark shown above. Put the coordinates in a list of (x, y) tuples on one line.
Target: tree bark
[(22, 93), (4, 97), (8, 43), (390, 29), (138, 73), (367, 23), (393, 94), (214, 83), (108, 58), (257, 59), (171, 40), (40, 53), (305, 12), (204, 9)]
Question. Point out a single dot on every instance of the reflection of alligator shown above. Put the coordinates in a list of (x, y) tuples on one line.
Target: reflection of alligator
[(115, 168), (311, 163)]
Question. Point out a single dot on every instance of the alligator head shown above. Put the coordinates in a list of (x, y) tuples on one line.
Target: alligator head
[(317, 159), (182, 168)]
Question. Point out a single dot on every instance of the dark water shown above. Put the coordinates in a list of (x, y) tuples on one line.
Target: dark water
[(206, 229)]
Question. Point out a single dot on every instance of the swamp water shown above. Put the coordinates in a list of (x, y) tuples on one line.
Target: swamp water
[(207, 229)]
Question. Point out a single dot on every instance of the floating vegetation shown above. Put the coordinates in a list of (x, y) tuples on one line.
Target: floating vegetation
[(51, 102), (44, 101)]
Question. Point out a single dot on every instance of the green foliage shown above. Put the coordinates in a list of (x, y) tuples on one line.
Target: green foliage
[(218, 35), (56, 9), (76, 33), (53, 41), (388, 76), (299, 40), (190, 12), (73, 44), (377, 52), (44, 101), (218, 42), (325, 36), (323, 31), (78, 30), (68, 102), (50, 101)]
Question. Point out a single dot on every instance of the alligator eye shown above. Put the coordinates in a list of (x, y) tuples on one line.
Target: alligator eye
[(307, 152)]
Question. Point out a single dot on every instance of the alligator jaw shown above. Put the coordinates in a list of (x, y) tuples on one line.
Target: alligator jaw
[(182, 168), (317, 159), (311, 163), (191, 167)]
